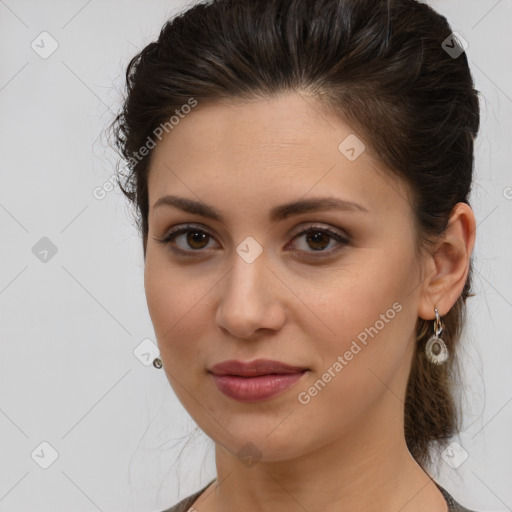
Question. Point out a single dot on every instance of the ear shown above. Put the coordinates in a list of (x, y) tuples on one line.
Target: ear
[(447, 267)]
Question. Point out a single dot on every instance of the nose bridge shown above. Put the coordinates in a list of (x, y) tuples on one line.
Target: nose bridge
[(246, 279), (247, 299), (249, 266)]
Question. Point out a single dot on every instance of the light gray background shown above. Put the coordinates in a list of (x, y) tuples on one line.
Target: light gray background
[(69, 326)]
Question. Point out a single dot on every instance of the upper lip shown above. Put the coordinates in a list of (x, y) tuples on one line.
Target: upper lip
[(253, 368)]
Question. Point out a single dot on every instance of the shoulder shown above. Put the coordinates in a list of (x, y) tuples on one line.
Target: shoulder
[(453, 506), (186, 503)]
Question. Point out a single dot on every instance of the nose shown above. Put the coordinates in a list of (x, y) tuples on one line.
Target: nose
[(250, 299)]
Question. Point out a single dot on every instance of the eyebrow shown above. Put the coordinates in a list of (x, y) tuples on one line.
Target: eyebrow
[(277, 213)]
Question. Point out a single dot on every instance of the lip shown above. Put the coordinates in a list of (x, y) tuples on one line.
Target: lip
[(256, 380), (254, 368)]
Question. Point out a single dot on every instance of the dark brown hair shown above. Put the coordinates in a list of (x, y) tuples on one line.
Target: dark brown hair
[(382, 67)]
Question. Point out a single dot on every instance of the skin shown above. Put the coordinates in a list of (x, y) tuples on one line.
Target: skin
[(345, 449)]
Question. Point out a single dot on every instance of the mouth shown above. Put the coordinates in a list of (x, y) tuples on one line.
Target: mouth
[(255, 381), (256, 368)]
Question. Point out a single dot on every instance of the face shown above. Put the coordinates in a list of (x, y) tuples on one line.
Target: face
[(330, 288)]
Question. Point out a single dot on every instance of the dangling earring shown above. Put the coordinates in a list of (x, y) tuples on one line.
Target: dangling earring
[(436, 350), (157, 362)]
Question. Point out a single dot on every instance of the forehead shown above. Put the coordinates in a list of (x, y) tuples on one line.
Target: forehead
[(286, 145), (287, 126)]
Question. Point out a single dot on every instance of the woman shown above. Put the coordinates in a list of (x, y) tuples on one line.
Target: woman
[(301, 171)]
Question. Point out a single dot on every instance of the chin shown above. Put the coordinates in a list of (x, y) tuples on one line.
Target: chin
[(256, 445)]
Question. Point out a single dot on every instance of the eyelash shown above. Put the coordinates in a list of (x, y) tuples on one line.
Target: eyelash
[(169, 237)]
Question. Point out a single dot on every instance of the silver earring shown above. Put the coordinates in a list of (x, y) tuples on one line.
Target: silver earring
[(436, 350), (157, 362)]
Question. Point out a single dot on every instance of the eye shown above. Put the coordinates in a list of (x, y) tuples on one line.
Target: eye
[(318, 238), (194, 239)]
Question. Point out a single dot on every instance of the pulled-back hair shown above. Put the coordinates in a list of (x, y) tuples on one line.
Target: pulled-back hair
[(382, 67)]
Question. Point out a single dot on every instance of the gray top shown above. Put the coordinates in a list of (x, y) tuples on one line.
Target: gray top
[(187, 502)]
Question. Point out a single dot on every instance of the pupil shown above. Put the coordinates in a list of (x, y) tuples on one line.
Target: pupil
[(195, 236), (316, 238)]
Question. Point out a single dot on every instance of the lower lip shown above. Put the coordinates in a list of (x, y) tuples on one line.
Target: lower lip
[(253, 389)]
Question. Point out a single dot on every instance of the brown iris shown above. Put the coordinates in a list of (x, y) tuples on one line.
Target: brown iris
[(196, 236), (316, 238)]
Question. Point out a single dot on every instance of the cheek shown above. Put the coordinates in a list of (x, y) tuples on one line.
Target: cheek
[(369, 313), (165, 299), (359, 363), (177, 308), (175, 320)]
